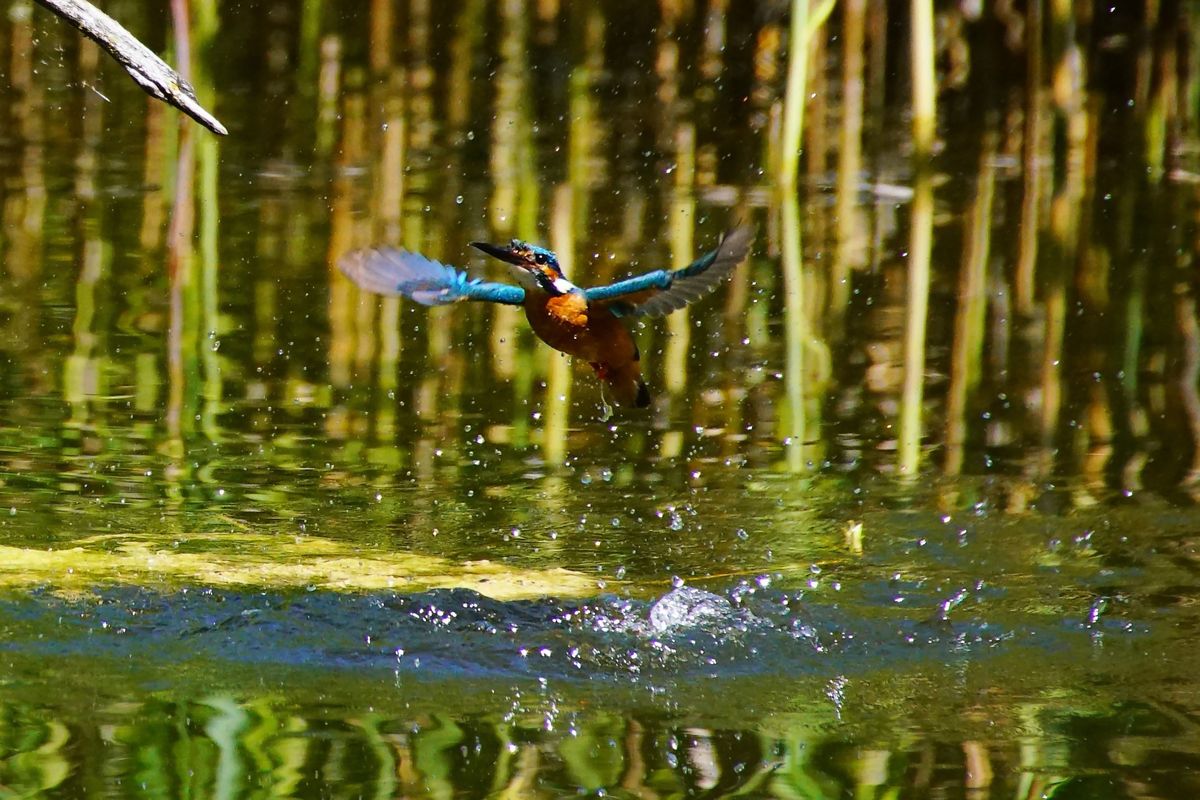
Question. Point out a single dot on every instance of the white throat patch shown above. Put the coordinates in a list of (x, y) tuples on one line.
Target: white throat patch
[(529, 281)]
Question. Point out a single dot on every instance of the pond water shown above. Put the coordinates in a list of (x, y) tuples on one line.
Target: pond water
[(878, 534)]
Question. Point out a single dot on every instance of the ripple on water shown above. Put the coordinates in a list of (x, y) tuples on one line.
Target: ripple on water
[(684, 633)]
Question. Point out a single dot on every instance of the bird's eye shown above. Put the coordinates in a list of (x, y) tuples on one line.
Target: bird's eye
[(540, 258)]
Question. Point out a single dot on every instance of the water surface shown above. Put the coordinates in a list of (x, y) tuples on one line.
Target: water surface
[(263, 536)]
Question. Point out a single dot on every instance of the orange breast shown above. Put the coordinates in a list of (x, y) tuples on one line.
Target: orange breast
[(566, 323)]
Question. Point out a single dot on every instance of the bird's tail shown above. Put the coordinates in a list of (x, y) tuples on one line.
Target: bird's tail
[(626, 383)]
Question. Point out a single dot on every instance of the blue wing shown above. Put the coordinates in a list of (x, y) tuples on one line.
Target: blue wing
[(386, 270), (660, 292)]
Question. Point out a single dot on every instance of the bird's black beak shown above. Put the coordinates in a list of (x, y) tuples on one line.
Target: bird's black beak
[(498, 251)]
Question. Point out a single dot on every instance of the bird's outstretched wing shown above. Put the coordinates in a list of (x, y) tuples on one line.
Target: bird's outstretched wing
[(386, 270), (663, 291)]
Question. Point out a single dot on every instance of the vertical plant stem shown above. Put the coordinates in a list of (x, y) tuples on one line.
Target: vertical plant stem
[(796, 331), (1064, 219), (851, 237), (967, 348), (1031, 158), (329, 85), (389, 202), (924, 95), (83, 369), (514, 201), (682, 233), (793, 104), (558, 378), (1189, 377), (920, 237), (920, 246), (207, 28), (343, 297), (793, 250), (382, 29), (181, 334)]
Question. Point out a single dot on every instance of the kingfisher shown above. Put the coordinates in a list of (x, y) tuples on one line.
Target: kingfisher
[(583, 323)]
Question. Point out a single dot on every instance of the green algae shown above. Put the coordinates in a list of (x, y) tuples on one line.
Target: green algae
[(247, 559)]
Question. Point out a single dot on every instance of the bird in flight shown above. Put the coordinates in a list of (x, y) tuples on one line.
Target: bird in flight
[(584, 323)]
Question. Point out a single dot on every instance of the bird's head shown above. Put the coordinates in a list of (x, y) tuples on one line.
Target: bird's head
[(532, 265)]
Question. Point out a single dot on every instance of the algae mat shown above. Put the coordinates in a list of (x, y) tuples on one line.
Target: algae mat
[(245, 559)]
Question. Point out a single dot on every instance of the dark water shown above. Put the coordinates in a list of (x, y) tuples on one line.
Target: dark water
[(261, 536)]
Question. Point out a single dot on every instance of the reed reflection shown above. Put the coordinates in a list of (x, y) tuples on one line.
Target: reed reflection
[(971, 316), (920, 240), (211, 744), (994, 369), (985, 271)]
